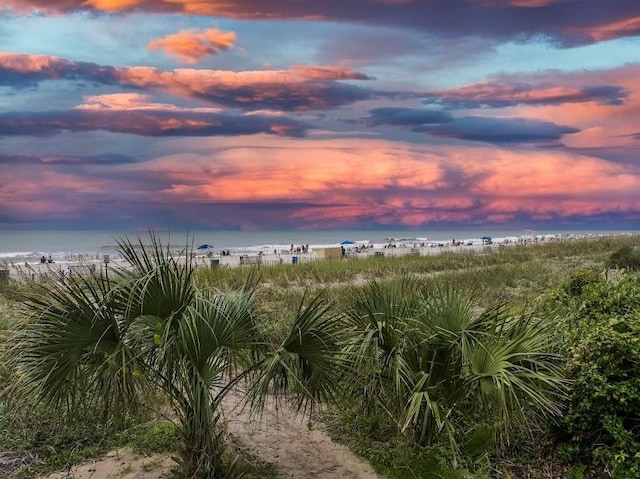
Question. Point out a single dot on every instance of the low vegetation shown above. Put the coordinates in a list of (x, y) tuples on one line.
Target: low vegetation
[(627, 257), (521, 362), (601, 320), (444, 370)]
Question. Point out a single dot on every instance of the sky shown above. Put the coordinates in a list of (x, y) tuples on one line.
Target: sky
[(319, 114)]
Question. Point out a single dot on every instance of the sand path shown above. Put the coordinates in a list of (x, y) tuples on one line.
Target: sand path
[(288, 440), (121, 464), (280, 437)]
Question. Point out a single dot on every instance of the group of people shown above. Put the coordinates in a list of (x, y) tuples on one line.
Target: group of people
[(303, 248), (44, 260)]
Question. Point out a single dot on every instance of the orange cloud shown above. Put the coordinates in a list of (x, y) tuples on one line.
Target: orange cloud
[(349, 179), (303, 87), (294, 89), (134, 101), (191, 46), (258, 181), (540, 175), (24, 63), (112, 5), (297, 172)]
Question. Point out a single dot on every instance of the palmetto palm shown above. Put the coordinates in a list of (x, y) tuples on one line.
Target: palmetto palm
[(111, 340), (433, 361)]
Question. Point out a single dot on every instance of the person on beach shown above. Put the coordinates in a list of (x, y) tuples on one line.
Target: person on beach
[(43, 260), (49, 259)]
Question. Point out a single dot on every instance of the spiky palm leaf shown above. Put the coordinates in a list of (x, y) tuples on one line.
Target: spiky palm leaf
[(308, 364), (449, 362), (75, 348), (153, 282), (106, 339), (378, 315), (515, 371)]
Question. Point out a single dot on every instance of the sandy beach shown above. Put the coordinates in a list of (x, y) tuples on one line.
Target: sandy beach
[(32, 271)]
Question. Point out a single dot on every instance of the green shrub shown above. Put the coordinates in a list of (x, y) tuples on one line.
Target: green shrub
[(626, 256), (441, 369), (602, 420), (579, 282), (392, 455), (152, 437), (52, 440)]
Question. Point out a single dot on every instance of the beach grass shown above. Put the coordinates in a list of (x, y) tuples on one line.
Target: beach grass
[(337, 271), (520, 273)]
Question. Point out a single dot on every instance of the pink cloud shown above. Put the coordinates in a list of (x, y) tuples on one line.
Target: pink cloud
[(258, 181), (628, 27), (601, 106), (273, 89), (134, 101), (601, 124), (35, 194), (410, 184), (302, 87), (328, 72), (191, 46), (25, 63), (501, 93)]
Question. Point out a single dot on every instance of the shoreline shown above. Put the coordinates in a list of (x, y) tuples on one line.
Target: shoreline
[(237, 257)]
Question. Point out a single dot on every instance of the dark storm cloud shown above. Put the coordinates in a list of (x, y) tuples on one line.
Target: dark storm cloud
[(400, 116), (145, 123), (474, 128), (563, 22), (309, 95), (499, 130), (106, 159)]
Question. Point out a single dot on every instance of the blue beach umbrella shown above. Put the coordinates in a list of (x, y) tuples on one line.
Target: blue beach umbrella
[(347, 242), (205, 246)]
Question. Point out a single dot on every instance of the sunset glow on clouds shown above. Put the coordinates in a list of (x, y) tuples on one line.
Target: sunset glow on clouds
[(319, 115), (190, 45)]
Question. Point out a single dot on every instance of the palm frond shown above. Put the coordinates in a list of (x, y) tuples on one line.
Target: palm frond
[(430, 357), (308, 364), (424, 414), (73, 349)]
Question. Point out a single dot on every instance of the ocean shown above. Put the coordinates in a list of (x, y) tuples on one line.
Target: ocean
[(20, 246)]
